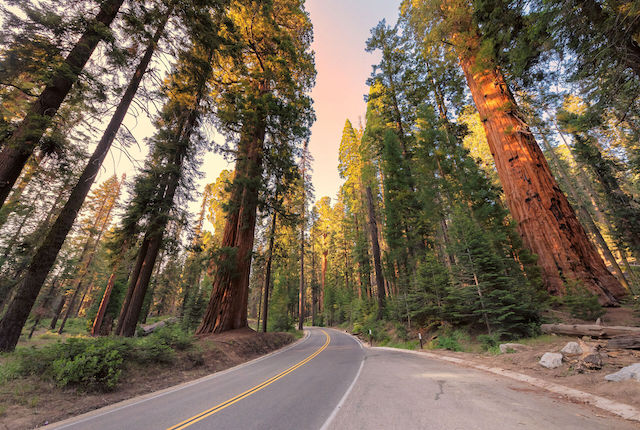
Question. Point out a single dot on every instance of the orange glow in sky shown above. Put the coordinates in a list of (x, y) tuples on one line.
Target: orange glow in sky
[(341, 28)]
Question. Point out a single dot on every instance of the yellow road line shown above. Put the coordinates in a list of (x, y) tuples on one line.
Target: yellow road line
[(202, 415)]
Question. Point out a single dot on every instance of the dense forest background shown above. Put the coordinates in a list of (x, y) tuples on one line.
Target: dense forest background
[(495, 174)]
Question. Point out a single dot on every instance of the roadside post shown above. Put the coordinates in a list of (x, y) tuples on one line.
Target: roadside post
[(370, 338), (420, 337)]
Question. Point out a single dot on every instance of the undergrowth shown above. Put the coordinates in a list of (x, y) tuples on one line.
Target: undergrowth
[(94, 364)]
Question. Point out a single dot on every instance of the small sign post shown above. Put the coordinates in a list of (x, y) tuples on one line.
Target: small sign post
[(370, 338), (420, 337)]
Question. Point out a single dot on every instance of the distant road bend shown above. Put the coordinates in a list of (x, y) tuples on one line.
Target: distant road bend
[(329, 381)]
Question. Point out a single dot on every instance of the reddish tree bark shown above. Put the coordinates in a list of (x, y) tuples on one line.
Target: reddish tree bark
[(545, 219), (375, 248), (227, 308), (19, 147), (267, 272), (97, 328)]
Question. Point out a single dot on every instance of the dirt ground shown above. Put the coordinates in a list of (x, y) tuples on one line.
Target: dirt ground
[(29, 403)]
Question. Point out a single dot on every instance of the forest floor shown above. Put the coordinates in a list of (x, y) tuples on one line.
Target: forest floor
[(31, 402), (569, 374)]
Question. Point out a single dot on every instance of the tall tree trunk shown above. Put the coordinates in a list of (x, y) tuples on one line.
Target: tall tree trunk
[(56, 315), (227, 308), (45, 257), (141, 283), (302, 227), (314, 286), (96, 328), (323, 277), (546, 221), (133, 278), (153, 238), (267, 271), (19, 147), (590, 225), (375, 250)]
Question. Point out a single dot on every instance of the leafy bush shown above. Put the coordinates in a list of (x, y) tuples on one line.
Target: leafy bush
[(96, 364), (401, 332), (489, 342), (151, 350), (582, 303), (175, 337), (451, 341), (96, 368)]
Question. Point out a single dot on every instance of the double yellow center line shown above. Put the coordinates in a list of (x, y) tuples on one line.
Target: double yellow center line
[(202, 415)]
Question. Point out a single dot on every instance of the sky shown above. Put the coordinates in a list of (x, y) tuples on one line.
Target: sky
[(341, 28)]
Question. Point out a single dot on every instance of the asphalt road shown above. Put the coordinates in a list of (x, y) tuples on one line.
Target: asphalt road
[(328, 381)]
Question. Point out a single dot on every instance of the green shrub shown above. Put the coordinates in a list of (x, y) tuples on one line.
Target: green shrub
[(175, 337), (96, 368), (452, 341), (151, 350), (401, 332), (582, 303), (488, 342)]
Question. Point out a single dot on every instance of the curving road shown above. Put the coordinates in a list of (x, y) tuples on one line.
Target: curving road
[(329, 381)]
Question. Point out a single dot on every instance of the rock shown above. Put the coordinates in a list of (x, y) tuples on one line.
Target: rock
[(593, 361), (551, 360), (571, 348), (629, 372), (512, 347)]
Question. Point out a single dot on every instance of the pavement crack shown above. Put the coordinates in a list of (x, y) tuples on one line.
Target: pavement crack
[(441, 386)]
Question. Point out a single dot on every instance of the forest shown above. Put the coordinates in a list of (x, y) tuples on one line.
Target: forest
[(494, 175)]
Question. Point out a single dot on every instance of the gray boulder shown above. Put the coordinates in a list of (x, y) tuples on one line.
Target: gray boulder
[(629, 372), (571, 348), (512, 347), (551, 360)]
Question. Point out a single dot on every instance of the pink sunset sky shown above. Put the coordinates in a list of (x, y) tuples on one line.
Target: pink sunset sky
[(341, 28)]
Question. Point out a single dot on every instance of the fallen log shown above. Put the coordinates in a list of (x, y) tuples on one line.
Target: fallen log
[(625, 342), (150, 328), (592, 330)]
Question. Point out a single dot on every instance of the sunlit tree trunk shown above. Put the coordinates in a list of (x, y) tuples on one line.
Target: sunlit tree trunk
[(375, 249), (546, 221), (227, 308)]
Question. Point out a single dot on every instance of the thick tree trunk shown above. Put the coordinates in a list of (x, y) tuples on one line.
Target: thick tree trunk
[(590, 225), (19, 147), (56, 315), (375, 249), (141, 283), (546, 221), (133, 278), (314, 287), (323, 277), (96, 329), (267, 272), (45, 257), (593, 330), (302, 227), (227, 308)]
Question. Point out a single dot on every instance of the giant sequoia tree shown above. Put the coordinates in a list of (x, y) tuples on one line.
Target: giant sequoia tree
[(262, 102), (545, 219)]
